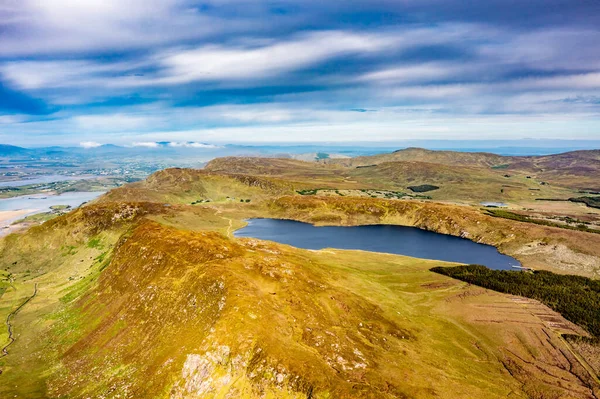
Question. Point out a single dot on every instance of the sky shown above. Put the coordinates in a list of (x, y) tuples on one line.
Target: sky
[(241, 71)]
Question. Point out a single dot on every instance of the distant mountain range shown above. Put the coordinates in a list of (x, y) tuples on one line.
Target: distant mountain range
[(11, 150), (176, 152), (575, 169)]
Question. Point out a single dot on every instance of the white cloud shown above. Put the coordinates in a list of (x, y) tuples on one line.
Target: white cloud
[(204, 63), (245, 62), (408, 73), (261, 59), (192, 144), (420, 73), (216, 62), (89, 144), (252, 113), (31, 75), (50, 26), (427, 121), (432, 92), (272, 58), (147, 144)]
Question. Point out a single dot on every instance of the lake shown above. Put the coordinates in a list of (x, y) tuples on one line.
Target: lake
[(399, 240)]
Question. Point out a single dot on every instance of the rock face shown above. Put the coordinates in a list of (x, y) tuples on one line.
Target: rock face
[(216, 373), (198, 374)]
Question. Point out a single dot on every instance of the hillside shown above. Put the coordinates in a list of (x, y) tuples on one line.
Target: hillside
[(577, 169), (246, 318), (274, 195), (458, 183), (189, 185), (145, 293), (262, 166), (481, 159), (464, 183), (201, 303)]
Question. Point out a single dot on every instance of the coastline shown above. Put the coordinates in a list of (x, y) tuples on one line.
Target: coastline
[(8, 217)]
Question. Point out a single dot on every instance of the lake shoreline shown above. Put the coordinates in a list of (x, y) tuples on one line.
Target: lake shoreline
[(380, 238)]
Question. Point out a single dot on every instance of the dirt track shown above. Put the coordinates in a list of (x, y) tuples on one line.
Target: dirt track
[(11, 338)]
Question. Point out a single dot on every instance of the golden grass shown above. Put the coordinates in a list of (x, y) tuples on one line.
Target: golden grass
[(139, 299), (264, 319)]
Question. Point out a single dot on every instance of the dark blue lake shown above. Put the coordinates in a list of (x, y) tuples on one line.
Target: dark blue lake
[(400, 240)]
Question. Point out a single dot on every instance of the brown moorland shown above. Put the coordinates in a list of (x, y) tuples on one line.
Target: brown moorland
[(145, 293)]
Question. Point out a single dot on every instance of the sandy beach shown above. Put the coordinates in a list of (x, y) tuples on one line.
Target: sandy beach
[(8, 217)]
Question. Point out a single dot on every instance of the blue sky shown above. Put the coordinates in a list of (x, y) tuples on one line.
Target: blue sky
[(227, 71)]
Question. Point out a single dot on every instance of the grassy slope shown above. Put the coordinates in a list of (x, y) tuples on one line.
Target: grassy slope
[(187, 186), (458, 182), (265, 319), (56, 255), (575, 297), (577, 169), (464, 184), (302, 309), (536, 246), (481, 159)]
